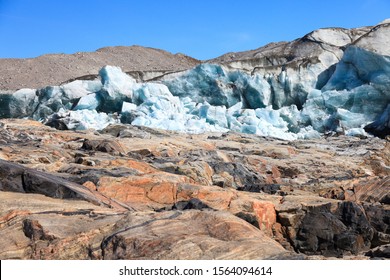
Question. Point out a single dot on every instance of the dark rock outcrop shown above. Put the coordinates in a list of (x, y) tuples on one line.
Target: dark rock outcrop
[(381, 126), (381, 252), (326, 227), (17, 178)]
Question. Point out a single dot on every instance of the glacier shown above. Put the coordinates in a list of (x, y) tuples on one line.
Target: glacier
[(344, 91), (211, 98)]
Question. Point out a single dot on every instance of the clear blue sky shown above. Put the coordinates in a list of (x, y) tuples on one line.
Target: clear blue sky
[(200, 28)]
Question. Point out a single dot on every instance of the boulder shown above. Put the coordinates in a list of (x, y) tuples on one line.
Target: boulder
[(189, 235), (326, 227)]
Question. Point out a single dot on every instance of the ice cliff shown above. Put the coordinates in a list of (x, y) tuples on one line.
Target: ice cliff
[(331, 80)]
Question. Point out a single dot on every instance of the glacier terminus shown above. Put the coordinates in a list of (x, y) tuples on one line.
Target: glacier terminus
[(331, 80)]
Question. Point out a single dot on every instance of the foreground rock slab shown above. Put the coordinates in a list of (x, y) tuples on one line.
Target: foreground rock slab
[(136, 193), (190, 234), (46, 228)]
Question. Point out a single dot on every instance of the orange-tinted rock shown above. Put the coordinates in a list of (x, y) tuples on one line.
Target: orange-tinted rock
[(214, 197), (133, 164), (146, 191), (90, 185), (266, 215), (273, 176), (12, 214)]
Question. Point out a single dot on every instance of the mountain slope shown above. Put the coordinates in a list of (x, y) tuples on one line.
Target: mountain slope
[(54, 69)]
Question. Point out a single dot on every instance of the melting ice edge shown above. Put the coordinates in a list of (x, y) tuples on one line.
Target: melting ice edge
[(301, 104)]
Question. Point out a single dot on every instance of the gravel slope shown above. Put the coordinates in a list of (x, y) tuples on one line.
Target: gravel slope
[(54, 69)]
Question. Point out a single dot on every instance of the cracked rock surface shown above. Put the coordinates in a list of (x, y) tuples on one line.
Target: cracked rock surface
[(128, 192)]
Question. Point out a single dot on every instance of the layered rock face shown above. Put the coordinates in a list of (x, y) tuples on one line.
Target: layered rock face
[(129, 192)]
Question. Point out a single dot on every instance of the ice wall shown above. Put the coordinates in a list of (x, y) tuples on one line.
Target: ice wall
[(288, 105)]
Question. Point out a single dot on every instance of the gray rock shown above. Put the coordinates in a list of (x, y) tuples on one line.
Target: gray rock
[(381, 252)]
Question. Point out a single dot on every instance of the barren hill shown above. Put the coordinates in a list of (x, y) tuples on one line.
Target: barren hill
[(54, 69)]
